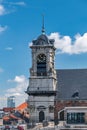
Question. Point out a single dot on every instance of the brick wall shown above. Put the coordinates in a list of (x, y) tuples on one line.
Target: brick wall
[(61, 104)]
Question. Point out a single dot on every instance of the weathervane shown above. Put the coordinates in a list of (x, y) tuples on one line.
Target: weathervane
[(43, 29)]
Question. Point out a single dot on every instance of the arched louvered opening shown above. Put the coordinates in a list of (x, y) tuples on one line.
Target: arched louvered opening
[(41, 65)]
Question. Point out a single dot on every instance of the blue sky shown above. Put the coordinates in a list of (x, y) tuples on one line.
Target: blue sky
[(21, 22)]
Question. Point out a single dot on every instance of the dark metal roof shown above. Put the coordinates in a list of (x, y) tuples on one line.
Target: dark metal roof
[(43, 40), (70, 82)]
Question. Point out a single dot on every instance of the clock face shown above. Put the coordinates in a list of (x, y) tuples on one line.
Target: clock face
[(41, 58)]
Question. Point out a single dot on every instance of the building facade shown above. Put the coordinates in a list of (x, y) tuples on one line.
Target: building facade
[(59, 95), (71, 94), (42, 81), (11, 101)]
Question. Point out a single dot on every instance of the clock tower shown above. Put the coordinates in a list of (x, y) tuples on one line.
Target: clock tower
[(42, 81)]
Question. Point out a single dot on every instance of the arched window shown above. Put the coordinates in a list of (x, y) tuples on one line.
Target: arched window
[(41, 65)]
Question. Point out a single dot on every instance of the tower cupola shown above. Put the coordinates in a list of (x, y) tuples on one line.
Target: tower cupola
[(43, 40)]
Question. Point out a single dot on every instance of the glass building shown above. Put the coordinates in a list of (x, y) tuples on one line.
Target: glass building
[(11, 101)]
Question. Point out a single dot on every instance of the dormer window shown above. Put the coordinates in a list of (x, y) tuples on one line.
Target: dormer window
[(41, 65)]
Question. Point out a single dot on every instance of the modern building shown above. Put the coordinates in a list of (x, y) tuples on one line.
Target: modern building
[(11, 101), (59, 95)]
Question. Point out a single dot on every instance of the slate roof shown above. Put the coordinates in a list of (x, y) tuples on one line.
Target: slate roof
[(71, 81), (43, 40)]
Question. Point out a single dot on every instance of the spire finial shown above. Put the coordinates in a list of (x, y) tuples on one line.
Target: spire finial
[(43, 29)]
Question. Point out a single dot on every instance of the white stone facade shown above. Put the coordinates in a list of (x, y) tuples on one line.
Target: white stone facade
[(39, 101), (42, 87)]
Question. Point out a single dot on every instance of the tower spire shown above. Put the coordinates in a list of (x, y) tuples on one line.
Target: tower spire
[(43, 28)]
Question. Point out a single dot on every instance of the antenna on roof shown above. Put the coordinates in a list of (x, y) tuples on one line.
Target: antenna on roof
[(43, 28)]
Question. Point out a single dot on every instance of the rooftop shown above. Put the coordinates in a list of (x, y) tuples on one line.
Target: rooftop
[(72, 83)]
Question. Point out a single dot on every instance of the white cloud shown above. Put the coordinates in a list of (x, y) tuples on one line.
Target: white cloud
[(19, 90), (18, 79), (3, 101), (21, 3), (9, 7), (2, 28), (2, 10), (9, 48), (65, 44), (1, 70)]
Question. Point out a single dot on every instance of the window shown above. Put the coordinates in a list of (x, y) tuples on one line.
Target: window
[(51, 109), (75, 118), (41, 65)]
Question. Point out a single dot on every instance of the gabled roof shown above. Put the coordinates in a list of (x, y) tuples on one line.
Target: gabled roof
[(71, 81), (22, 106)]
